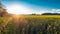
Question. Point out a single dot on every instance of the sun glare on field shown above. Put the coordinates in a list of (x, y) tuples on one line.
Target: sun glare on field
[(17, 9)]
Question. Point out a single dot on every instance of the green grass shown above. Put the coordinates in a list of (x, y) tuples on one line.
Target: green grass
[(43, 24), (43, 16)]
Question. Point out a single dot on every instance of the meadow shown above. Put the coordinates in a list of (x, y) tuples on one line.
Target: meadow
[(30, 24)]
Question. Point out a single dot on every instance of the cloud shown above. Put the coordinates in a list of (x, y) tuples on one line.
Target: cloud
[(55, 10), (26, 9), (48, 11)]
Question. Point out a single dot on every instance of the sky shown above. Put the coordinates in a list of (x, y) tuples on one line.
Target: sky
[(32, 6)]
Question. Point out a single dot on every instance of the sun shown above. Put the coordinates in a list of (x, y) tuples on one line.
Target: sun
[(17, 9)]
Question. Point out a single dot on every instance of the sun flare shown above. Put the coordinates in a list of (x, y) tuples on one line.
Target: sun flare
[(17, 9)]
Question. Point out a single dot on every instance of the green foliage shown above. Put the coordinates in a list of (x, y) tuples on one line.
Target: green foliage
[(33, 26)]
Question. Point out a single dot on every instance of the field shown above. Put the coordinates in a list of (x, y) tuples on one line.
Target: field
[(43, 16), (30, 24)]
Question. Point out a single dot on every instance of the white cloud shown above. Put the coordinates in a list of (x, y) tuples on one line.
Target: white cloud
[(48, 11), (55, 10), (21, 9)]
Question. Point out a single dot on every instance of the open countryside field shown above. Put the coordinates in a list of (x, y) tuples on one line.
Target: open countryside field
[(43, 16), (30, 24), (29, 16)]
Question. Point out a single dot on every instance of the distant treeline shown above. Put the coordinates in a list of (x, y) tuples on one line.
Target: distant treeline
[(47, 14), (51, 14)]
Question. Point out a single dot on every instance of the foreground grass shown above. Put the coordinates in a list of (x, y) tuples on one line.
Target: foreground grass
[(32, 24)]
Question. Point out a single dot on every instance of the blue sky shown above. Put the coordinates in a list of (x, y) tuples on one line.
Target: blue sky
[(37, 5)]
